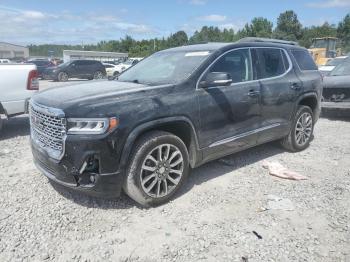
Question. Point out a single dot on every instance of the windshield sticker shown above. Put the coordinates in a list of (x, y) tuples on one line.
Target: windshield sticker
[(203, 53)]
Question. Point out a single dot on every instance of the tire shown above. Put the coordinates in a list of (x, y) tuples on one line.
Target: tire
[(1, 124), (62, 77), (98, 75), (152, 185), (301, 132)]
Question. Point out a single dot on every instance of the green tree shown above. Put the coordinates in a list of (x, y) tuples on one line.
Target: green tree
[(178, 39), (288, 26), (308, 33), (343, 33), (259, 27)]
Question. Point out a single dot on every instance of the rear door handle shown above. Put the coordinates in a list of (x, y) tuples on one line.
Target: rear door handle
[(295, 86), (253, 93)]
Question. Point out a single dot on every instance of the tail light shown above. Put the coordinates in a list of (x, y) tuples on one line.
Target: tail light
[(33, 80)]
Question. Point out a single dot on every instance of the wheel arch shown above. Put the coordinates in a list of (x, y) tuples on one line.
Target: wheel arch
[(180, 126), (310, 100)]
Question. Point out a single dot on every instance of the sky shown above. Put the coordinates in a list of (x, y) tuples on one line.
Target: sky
[(89, 21)]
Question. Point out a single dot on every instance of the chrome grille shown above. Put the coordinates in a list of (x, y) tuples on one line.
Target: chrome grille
[(48, 129)]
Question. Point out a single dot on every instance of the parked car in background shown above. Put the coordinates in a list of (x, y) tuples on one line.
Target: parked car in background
[(331, 64), (111, 69), (127, 64), (336, 88), (84, 69), (5, 61), (18, 83), (178, 108), (41, 65)]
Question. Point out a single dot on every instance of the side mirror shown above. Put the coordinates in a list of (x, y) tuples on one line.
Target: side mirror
[(216, 79)]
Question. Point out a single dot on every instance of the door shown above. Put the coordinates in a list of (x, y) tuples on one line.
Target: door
[(229, 114), (72, 69), (280, 88)]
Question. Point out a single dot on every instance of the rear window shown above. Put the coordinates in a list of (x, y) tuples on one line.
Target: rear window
[(272, 63), (304, 60)]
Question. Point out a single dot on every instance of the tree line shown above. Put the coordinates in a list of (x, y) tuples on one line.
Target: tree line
[(288, 27)]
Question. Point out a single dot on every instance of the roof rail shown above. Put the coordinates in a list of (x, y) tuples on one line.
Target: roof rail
[(267, 40)]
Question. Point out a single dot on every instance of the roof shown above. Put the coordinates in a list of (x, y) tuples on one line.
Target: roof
[(214, 46), (94, 53), (13, 44), (211, 46)]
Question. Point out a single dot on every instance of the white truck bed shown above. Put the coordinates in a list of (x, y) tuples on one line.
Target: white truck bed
[(13, 88)]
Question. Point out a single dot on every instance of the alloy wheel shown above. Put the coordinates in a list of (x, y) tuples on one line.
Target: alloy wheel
[(303, 129), (162, 170), (98, 75)]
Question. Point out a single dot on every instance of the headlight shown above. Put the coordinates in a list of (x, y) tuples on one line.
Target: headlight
[(96, 126)]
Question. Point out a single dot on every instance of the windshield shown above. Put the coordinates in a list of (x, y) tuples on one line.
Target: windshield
[(64, 64), (334, 62), (319, 43), (164, 68), (342, 70)]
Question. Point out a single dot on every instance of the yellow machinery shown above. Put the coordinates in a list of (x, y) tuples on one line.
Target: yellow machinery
[(324, 49)]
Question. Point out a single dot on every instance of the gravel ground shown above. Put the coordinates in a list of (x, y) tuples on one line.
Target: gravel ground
[(211, 219)]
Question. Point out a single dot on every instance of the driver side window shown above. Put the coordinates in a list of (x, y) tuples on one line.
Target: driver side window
[(237, 63)]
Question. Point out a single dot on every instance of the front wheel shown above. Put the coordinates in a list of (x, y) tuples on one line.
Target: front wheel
[(1, 123), (62, 77), (158, 166), (301, 131)]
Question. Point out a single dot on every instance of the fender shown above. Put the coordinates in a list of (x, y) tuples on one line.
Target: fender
[(301, 97), (194, 152)]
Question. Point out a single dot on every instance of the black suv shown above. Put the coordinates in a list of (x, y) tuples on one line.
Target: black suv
[(41, 65), (178, 108), (85, 69)]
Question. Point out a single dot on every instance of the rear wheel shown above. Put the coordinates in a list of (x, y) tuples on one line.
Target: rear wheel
[(98, 75), (62, 77), (301, 131), (158, 166)]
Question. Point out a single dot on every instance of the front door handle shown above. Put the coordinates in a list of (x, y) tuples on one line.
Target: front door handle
[(253, 93), (295, 86)]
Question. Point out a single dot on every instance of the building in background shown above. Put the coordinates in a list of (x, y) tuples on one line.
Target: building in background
[(69, 55), (13, 52)]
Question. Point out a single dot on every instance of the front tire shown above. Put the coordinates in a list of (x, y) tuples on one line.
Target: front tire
[(301, 131), (157, 169), (62, 77)]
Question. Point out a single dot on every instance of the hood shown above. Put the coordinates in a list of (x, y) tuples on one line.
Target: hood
[(336, 82), (87, 94)]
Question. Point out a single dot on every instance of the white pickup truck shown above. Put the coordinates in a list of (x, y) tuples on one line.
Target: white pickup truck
[(18, 82)]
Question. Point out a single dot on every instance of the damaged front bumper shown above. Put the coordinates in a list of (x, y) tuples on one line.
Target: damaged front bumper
[(87, 166)]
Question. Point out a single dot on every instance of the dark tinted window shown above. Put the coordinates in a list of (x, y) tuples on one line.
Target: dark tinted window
[(285, 60), (271, 62), (237, 63), (79, 62), (304, 60), (40, 63)]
